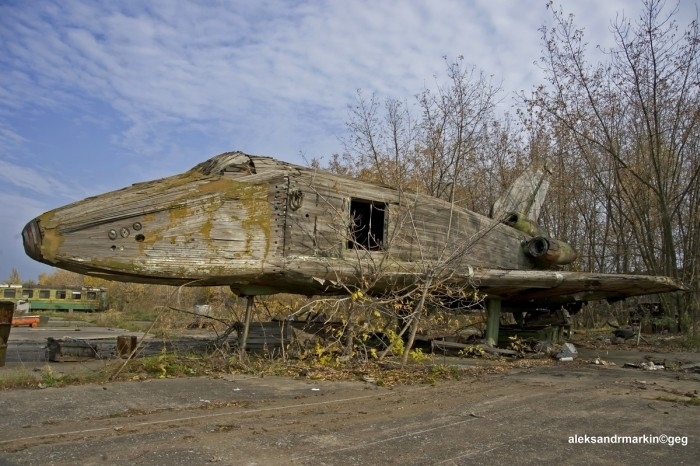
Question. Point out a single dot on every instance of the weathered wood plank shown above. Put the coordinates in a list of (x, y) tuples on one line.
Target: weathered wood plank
[(264, 226)]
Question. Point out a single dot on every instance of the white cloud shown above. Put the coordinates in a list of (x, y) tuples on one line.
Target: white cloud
[(30, 179), (179, 81), (9, 139), (163, 67), (250, 65)]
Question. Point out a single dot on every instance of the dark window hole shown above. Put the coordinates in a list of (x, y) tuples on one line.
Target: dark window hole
[(367, 225)]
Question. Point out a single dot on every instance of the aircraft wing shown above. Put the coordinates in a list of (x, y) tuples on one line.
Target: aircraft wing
[(547, 287), (526, 289)]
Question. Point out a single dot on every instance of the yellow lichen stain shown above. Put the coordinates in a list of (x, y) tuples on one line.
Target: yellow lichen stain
[(258, 216), (192, 217), (223, 186), (114, 265), (150, 235), (206, 229), (254, 210), (178, 213), (52, 239), (166, 184)]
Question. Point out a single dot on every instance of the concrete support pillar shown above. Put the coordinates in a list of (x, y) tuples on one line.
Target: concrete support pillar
[(493, 308)]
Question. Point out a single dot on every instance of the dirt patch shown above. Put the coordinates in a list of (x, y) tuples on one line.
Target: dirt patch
[(525, 411), (480, 411)]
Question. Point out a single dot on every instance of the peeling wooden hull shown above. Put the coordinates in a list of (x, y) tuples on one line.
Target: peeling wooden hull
[(217, 227), (262, 226)]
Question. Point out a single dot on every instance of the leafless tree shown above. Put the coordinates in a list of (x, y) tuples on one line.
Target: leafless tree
[(633, 128), (454, 150)]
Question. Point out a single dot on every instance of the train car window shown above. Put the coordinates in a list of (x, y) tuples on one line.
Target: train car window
[(75, 295), (367, 225), (91, 295), (27, 293), (44, 294), (9, 293), (60, 294)]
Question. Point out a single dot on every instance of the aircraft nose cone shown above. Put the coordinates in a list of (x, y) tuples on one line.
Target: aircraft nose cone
[(31, 236)]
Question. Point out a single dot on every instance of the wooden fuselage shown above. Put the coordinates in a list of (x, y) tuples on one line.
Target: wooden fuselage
[(263, 226)]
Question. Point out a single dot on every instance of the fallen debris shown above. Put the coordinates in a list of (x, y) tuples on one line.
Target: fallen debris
[(68, 349), (452, 345), (625, 333), (74, 350), (567, 352), (650, 366), (693, 367), (602, 362)]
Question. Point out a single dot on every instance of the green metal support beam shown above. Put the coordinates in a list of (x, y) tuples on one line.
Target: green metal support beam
[(493, 307)]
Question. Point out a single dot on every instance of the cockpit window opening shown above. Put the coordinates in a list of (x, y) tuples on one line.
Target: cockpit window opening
[(367, 220)]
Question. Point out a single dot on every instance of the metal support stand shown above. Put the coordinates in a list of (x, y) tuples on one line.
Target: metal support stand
[(493, 307), (242, 342)]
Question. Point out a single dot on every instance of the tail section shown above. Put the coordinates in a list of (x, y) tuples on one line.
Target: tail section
[(520, 206), (525, 196)]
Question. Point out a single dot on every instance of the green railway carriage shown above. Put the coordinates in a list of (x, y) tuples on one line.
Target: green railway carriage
[(56, 298)]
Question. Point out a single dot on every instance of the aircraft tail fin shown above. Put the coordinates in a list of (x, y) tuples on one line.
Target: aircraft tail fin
[(526, 195)]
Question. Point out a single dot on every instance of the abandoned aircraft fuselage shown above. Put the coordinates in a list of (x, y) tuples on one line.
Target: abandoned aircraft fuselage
[(255, 221), (262, 226)]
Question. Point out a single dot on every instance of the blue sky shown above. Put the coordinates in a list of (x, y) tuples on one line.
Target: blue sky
[(97, 95)]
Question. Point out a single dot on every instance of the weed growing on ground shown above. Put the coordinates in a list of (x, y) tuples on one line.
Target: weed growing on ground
[(691, 342), (20, 379)]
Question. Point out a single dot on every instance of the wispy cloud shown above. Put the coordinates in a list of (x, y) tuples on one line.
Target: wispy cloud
[(250, 68), (30, 179), (9, 139), (131, 90)]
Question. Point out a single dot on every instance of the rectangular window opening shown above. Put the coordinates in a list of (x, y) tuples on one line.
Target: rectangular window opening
[(367, 225), (44, 294), (9, 293), (60, 294), (27, 293)]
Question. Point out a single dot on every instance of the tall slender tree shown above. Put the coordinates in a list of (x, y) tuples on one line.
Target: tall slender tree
[(634, 123)]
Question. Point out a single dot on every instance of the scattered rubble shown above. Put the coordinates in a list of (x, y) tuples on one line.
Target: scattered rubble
[(650, 366), (602, 362), (567, 352)]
